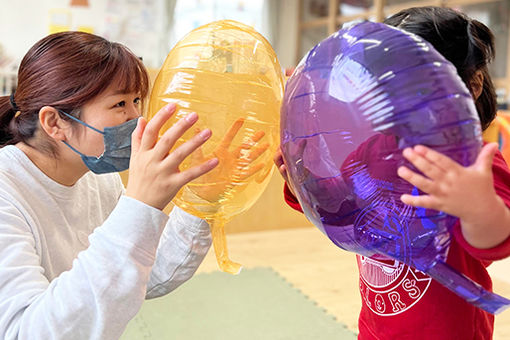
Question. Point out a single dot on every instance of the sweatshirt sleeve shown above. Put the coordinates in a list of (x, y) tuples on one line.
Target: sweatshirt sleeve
[(501, 175), (97, 297), (290, 199), (183, 245)]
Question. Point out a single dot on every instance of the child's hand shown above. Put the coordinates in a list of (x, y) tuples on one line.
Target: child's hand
[(280, 165), (452, 188), (465, 192), (289, 71), (154, 176), (302, 171), (282, 169), (235, 166)]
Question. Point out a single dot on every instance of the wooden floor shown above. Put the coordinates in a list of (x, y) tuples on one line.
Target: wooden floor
[(324, 273)]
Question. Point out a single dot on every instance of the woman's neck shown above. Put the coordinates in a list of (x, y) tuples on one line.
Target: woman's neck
[(61, 169)]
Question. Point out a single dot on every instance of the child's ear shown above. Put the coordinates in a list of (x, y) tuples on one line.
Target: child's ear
[(52, 123), (476, 84)]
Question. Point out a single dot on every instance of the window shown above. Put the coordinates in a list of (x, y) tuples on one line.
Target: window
[(190, 14)]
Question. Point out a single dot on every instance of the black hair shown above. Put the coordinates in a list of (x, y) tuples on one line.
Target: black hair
[(466, 43)]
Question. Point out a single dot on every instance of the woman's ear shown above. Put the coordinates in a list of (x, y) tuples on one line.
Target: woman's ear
[(52, 123), (476, 84)]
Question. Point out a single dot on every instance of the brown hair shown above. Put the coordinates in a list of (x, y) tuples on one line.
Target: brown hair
[(66, 70), (466, 43)]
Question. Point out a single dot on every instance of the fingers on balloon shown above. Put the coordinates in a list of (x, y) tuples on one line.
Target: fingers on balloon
[(278, 158), (419, 181), (289, 71), (231, 133), (435, 157), (250, 157), (163, 115), (248, 144), (257, 152), (191, 145), (246, 173), (198, 155), (428, 167), (424, 201), (199, 170), (283, 171), (170, 137), (136, 136)]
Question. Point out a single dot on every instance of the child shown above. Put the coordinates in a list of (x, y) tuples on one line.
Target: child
[(420, 307), (78, 254)]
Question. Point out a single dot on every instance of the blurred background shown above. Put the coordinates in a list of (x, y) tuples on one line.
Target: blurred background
[(151, 27), (270, 233)]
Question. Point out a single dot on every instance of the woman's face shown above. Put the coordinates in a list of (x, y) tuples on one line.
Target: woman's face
[(110, 108)]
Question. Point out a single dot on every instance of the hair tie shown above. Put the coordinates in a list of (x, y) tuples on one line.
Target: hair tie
[(13, 103)]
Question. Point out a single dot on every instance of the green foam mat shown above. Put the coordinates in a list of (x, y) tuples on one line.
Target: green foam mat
[(256, 304)]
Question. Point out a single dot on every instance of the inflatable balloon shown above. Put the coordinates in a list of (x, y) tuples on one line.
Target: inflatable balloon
[(354, 102), (229, 75)]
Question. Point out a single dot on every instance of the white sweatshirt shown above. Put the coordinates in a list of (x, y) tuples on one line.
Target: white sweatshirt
[(77, 262)]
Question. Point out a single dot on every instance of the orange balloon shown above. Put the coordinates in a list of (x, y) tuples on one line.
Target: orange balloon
[(230, 76)]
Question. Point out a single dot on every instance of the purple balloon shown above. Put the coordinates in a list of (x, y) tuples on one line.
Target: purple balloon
[(354, 102)]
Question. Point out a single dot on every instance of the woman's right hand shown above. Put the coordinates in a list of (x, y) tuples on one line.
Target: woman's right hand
[(154, 176)]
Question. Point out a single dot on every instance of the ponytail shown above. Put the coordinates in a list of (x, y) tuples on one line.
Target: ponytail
[(15, 124), (7, 114)]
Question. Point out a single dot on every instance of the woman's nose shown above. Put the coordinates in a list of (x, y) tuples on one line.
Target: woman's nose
[(133, 112)]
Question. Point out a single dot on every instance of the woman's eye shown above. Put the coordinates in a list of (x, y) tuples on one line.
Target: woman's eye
[(120, 104), (137, 101)]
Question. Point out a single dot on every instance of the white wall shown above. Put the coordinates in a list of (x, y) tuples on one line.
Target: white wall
[(137, 24), (287, 29), (23, 22), (19, 32)]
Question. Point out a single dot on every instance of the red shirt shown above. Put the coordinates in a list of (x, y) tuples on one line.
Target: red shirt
[(399, 302)]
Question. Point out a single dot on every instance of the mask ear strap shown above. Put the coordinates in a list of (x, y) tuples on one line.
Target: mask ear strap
[(81, 122), (69, 145)]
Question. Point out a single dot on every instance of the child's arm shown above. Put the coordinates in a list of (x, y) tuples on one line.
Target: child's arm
[(465, 192)]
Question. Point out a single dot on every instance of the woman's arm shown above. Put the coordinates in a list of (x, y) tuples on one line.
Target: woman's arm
[(184, 243), (97, 297), (182, 248), (107, 282)]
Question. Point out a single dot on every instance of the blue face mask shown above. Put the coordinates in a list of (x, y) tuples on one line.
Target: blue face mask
[(117, 147)]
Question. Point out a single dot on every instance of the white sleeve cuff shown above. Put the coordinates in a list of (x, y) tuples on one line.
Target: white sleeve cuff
[(135, 222), (188, 221)]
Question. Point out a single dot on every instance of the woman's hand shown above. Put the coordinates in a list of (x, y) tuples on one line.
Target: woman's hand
[(154, 176)]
